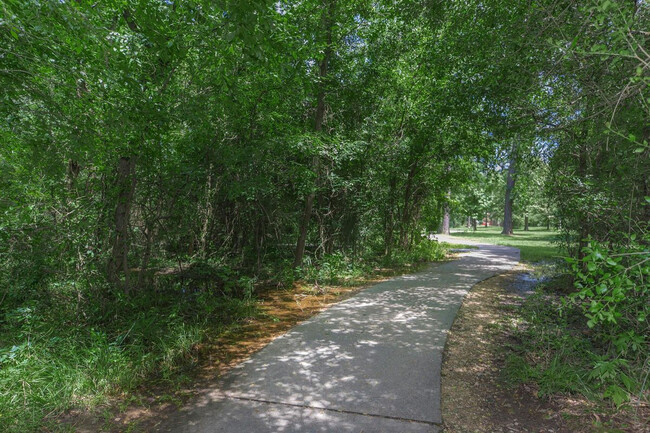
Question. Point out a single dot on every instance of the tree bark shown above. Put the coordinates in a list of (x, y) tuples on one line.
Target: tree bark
[(510, 186), (328, 21), (526, 223), (118, 261), (389, 220), (446, 217), (582, 174), (207, 213), (406, 210), (444, 228)]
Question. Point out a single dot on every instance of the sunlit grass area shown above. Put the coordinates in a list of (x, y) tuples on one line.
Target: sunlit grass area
[(536, 245)]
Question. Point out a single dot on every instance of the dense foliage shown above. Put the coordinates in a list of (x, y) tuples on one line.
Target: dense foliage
[(160, 160)]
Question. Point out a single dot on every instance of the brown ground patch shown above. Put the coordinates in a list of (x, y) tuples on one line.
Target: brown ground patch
[(475, 398)]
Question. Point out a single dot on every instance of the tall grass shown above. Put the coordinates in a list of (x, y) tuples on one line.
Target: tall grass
[(56, 354)]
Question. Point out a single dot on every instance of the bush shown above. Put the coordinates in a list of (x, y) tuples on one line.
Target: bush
[(333, 269), (593, 355), (424, 251), (614, 290)]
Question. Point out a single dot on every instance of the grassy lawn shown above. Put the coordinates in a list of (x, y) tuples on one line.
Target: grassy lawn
[(535, 245)]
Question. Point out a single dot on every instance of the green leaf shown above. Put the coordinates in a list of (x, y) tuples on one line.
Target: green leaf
[(616, 394)]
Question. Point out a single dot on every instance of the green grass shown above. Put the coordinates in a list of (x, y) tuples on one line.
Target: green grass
[(52, 359), (536, 245)]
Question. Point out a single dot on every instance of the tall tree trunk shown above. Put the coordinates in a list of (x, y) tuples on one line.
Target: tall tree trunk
[(118, 261), (526, 223), (389, 221), (328, 21), (143, 271), (510, 186), (406, 210), (446, 217), (582, 174), (207, 213)]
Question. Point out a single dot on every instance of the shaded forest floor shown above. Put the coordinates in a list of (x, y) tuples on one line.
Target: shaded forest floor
[(476, 393)]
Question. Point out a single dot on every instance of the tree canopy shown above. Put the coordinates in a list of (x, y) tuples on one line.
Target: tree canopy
[(146, 145)]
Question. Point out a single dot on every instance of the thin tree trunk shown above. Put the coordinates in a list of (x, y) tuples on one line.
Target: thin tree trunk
[(526, 223), (582, 173), (388, 229), (142, 274), (318, 127), (207, 214), (118, 261), (646, 179)]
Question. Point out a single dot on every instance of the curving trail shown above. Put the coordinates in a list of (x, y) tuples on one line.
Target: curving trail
[(368, 364)]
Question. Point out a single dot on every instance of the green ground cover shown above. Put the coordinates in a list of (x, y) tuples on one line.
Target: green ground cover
[(536, 245)]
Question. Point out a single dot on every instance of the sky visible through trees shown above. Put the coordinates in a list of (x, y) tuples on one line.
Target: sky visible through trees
[(195, 149)]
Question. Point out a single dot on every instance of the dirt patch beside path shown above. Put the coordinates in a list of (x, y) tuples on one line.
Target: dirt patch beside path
[(474, 397)]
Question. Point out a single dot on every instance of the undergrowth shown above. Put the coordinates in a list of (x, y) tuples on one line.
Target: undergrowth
[(338, 268), (79, 344), (560, 353), (62, 352)]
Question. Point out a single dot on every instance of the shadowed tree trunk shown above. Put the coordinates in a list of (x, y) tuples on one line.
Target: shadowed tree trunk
[(328, 21), (118, 261), (510, 186), (389, 220), (408, 204)]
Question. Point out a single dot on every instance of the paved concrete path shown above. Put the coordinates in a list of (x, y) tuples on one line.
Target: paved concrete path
[(368, 364)]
